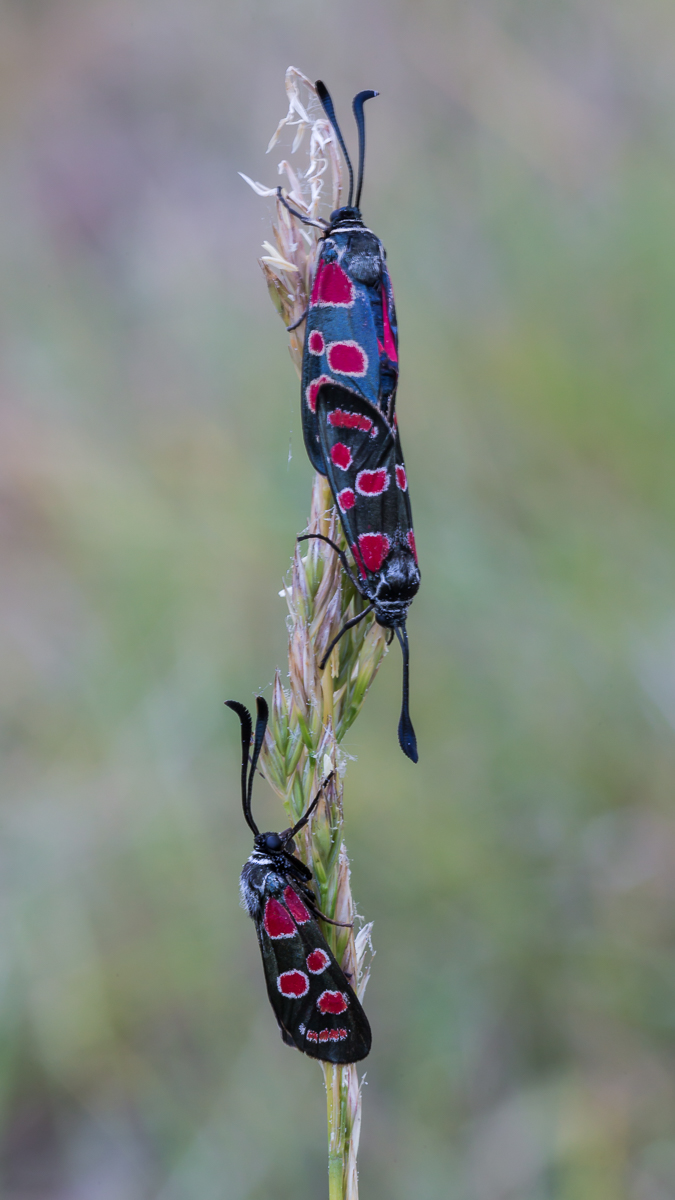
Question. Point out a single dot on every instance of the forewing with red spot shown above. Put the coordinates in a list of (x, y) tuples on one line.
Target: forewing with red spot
[(333, 1026), (364, 463), (314, 1003), (351, 335)]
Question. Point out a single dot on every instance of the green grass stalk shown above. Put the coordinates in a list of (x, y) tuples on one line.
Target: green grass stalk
[(302, 747), (309, 719)]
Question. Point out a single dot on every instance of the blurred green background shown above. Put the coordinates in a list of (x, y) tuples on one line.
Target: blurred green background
[(521, 173)]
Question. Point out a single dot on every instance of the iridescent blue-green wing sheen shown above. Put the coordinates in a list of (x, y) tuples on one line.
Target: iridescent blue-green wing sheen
[(351, 337)]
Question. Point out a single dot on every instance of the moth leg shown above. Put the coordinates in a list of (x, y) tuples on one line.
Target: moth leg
[(310, 900), (329, 920), (305, 818), (390, 637), (321, 224), (299, 321), (304, 537), (348, 625)]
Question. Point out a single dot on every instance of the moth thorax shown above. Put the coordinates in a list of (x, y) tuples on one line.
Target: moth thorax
[(363, 258), (396, 586), (250, 886)]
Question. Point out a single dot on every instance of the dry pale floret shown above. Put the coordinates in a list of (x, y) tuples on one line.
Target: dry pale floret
[(314, 187)]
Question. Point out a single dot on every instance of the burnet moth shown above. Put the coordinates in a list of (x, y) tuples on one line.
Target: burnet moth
[(349, 378), (351, 336), (316, 1008)]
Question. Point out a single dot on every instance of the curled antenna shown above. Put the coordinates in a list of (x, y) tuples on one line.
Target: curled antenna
[(357, 106), (406, 733), (248, 773), (327, 104)]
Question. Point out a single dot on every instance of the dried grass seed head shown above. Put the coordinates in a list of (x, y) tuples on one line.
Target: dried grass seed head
[(314, 187)]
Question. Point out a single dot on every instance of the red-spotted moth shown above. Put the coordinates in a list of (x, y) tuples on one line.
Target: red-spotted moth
[(316, 1008), (349, 378)]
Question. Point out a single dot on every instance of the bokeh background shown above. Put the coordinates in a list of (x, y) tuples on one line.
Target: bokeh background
[(521, 173)]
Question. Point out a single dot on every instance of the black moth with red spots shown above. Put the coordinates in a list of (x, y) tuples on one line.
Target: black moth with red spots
[(349, 379), (366, 472), (351, 335), (316, 1008)]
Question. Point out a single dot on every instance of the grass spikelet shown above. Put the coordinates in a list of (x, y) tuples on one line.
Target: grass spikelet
[(309, 718)]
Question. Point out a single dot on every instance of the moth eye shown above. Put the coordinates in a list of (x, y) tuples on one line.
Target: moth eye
[(273, 841)]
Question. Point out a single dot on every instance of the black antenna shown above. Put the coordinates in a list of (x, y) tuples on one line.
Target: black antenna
[(357, 106), (406, 733), (303, 820), (327, 103), (248, 773)]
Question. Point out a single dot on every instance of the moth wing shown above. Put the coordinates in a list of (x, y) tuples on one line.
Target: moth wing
[(388, 346), (351, 339), (405, 510), (286, 1037), (365, 469), (315, 1006), (335, 1028), (390, 307)]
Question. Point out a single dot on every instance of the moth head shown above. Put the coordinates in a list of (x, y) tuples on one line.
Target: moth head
[(270, 843), (347, 215)]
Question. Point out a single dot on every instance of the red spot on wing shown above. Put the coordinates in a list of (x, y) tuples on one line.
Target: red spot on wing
[(312, 390), (276, 920), (315, 342), (341, 456), (346, 499), (411, 543), (312, 1036), (374, 548), (341, 419), (332, 1002), (338, 1035), (293, 984), (372, 483), (324, 1036), (317, 962), (347, 358), (401, 478), (296, 906), (332, 287), (389, 343)]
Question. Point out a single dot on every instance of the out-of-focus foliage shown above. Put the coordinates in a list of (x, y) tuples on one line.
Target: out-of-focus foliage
[(521, 878)]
